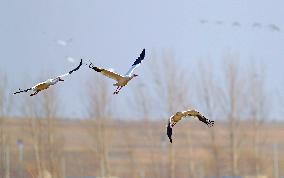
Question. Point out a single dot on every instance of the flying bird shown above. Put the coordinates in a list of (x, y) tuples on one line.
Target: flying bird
[(46, 84), (274, 27), (203, 21), (236, 24), (219, 22), (256, 25), (122, 80), (180, 115)]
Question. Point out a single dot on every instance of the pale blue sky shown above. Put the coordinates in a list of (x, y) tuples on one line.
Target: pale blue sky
[(113, 33)]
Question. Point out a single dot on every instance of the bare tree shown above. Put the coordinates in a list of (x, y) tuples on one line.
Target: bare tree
[(2, 133), (142, 103), (239, 95), (53, 144), (207, 94), (41, 112), (191, 162), (171, 83), (30, 109), (5, 109), (172, 89), (258, 103), (233, 103), (100, 108), (233, 117)]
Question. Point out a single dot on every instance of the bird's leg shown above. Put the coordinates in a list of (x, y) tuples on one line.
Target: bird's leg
[(119, 90), (34, 93), (115, 92)]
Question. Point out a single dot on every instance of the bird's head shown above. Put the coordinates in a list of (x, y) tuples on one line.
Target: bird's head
[(59, 79), (133, 75)]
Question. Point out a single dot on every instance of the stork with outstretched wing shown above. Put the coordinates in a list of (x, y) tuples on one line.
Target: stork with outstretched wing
[(46, 84), (174, 119), (122, 80)]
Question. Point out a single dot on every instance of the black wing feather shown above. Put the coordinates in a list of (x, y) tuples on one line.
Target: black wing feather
[(20, 91), (140, 58), (77, 68), (170, 132), (205, 120)]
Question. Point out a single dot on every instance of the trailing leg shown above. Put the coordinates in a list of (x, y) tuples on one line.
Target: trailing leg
[(34, 93), (115, 92), (118, 90)]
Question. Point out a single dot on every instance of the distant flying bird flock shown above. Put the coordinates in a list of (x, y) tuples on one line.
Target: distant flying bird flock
[(236, 24), (122, 80)]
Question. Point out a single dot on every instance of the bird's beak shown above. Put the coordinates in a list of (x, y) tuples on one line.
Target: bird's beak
[(60, 79), (135, 75)]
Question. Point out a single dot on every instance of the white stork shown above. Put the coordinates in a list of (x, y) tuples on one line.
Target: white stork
[(180, 115), (122, 80), (46, 84)]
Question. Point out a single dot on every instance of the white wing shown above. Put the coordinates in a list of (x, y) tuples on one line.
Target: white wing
[(132, 68), (64, 75), (136, 63), (110, 74)]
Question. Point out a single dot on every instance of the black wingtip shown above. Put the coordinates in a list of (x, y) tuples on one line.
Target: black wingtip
[(140, 58), (77, 68), (210, 123), (170, 132), (142, 55)]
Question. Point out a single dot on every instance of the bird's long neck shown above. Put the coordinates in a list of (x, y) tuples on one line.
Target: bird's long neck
[(53, 81), (130, 77)]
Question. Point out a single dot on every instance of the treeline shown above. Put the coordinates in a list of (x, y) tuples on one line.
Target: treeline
[(233, 94)]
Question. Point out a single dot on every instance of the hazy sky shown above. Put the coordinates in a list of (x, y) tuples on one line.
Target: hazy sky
[(112, 33)]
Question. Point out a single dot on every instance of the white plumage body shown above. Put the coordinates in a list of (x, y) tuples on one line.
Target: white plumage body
[(122, 80)]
